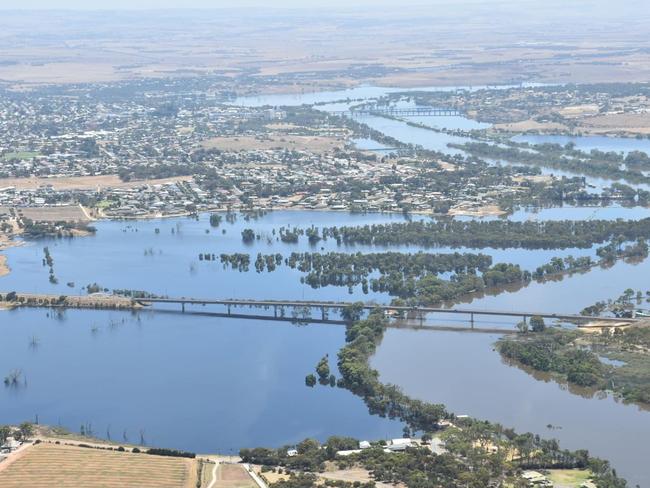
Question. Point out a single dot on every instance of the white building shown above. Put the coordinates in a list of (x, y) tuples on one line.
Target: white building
[(399, 444)]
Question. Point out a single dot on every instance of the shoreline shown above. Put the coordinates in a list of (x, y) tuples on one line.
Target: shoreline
[(6, 243), (4, 267)]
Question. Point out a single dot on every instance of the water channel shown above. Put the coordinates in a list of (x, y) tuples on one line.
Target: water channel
[(207, 383)]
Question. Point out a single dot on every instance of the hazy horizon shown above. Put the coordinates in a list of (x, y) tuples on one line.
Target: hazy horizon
[(292, 4)]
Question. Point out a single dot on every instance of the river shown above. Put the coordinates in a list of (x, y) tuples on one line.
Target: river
[(206, 383)]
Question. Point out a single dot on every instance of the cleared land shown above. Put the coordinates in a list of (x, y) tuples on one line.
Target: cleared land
[(617, 123), (354, 474), (294, 143), (83, 182), (50, 465), (71, 213), (96, 300), (568, 478), (233, 476)]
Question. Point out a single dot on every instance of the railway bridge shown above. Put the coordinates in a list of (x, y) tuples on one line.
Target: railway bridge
[(399, 112)]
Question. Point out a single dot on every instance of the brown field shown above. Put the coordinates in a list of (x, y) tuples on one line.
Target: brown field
[(531, 125), (71, 213), (83, 182), (610, 123), (49, 465), (351, 475), (416, 46), (233, 476), (316, 144)]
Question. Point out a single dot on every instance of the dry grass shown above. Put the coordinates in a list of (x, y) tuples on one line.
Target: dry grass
[(83, 182), (206, 474), (568, 478), (316, 144), (351, 475), (270, 476), (615, 123), (49, 465), (71, 213), (531, 125), (233, 476)]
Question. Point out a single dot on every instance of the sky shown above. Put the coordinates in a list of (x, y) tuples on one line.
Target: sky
[(153, 4)]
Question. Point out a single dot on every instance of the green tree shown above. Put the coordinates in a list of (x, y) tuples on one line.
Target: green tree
[(248, 235), (26, 430), (537, 323), (353, 312), (310, 380), (323, 370), (5, 432)]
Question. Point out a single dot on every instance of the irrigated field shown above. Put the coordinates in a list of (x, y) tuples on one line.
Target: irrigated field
[(49, 465)]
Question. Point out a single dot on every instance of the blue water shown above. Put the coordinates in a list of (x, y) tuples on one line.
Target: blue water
[(587, 143), (198, 383), (360, 92), (205, 383), (115, 257)]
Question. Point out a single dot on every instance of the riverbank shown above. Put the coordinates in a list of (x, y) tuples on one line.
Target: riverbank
[(608, 362), (5, 243), (4, 267), (11, 300)]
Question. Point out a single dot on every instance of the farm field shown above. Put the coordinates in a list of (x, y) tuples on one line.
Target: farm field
[(83, 182), (290, 142), (48, 465), (69, 213), (233, 476)]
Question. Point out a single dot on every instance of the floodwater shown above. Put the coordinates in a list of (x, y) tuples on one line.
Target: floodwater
[(190, 382), (462, 371), (206, 383), (587, 143)]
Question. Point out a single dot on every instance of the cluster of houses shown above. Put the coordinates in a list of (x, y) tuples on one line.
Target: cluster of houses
[(304, 181), (9, 446), (143, 138), (393, 445)]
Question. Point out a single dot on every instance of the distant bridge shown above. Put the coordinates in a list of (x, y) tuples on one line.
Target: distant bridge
[(399, 112)]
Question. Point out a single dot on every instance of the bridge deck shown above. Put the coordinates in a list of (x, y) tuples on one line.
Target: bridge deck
[(406, 112), (387, 308)]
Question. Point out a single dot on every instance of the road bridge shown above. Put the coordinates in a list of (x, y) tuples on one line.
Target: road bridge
[(278, 307), (292, 310), (394, 324)]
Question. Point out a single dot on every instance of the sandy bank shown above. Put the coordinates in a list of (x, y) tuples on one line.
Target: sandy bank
[(4, 267)]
